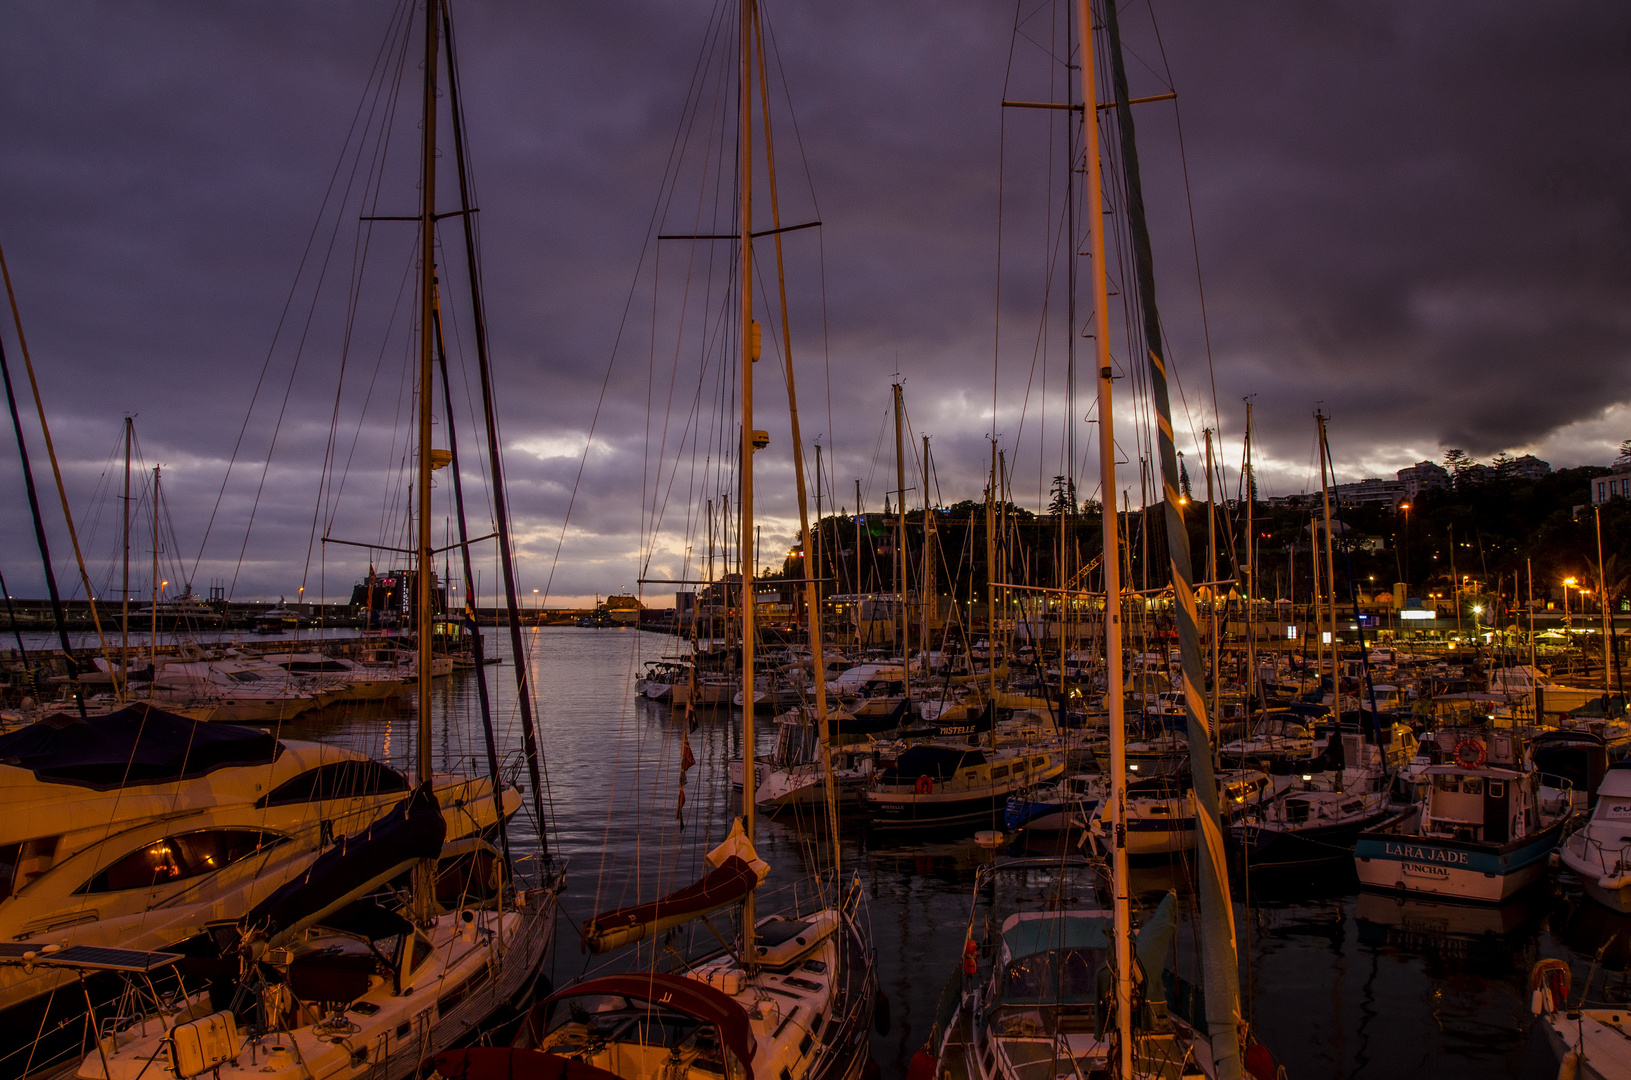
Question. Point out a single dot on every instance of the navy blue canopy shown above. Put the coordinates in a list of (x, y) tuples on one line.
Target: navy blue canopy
[(139, 744), (353, 867)]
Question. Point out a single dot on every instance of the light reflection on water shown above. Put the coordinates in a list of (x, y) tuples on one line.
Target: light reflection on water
[(1337, 984)]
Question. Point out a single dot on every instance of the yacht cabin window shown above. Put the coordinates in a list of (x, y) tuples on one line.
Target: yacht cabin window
[(337, 780), (176, 858)]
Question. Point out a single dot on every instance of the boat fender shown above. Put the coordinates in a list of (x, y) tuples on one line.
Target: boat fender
[(925, 785), (971, 957), (1549, 986), (1470, 754), (1569, 1067), (922, 1066), (880, 1014)]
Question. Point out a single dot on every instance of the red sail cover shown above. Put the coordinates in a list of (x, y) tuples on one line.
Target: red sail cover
[(730, 883)]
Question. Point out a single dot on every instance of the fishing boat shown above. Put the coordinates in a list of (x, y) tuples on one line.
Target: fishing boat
[(343, 979), (1481, 832)]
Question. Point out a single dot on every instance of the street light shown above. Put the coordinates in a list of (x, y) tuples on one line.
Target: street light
[(1568, 621), (1405, 546)]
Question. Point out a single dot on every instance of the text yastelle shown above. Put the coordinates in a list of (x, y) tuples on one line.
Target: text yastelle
[(1426, 854)]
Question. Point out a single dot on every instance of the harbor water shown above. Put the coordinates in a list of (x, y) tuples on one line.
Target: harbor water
[(1337, 983)]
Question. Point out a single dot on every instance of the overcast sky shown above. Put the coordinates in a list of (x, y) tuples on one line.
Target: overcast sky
[(1412, 216)]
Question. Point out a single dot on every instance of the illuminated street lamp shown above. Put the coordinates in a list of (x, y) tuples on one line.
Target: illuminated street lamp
[(1568, 621)]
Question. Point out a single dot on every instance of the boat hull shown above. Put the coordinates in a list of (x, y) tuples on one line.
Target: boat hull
[(1456, 870)]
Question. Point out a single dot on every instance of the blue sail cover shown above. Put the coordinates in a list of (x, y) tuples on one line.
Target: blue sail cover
[(137, 745), (354, 866)]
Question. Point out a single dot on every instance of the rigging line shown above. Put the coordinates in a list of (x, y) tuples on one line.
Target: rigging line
[(1189, 204), (361, 245), (622, 325), (1002, 164), (294, 286), (288, 391)]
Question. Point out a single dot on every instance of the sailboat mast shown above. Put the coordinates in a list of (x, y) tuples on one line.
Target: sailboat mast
[(124, 589), (1220, 966), (749, 355), (1251, 570), (900, 542), (1111, 559), (991, 589), (154, 648), (925, 584), (424, 873), (812, 592), (495, 464), (1212, 573), (1330, 573)]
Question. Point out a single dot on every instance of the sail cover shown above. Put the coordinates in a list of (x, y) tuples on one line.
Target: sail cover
[(737, 871), (136, 745), (353, 867)]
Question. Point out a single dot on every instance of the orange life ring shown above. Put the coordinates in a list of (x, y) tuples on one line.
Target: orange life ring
[(925, 785), (1469, 754)]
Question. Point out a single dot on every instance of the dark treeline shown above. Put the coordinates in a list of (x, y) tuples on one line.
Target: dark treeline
[(1481, 533)]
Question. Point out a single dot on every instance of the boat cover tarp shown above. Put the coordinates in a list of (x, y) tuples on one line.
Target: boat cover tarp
[(139, 744), (939, 762), (1153, 946), (368, 920), (676, 992), (737, 871), (503, 1063), (1055, 933), (353, 867)]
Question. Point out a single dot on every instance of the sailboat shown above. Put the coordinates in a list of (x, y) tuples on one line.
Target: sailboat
[(329, 977), (789, 994), (1062, 995)]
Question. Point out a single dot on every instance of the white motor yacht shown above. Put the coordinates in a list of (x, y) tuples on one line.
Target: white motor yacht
[(1599, 854), (139, 828)]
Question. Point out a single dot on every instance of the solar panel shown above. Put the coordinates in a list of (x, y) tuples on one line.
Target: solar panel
[(86, 957)]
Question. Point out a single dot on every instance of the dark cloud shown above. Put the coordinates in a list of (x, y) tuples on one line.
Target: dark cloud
[(1413, 214)]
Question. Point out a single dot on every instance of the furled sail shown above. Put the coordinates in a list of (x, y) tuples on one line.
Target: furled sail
[(355, 866), (737, 871)]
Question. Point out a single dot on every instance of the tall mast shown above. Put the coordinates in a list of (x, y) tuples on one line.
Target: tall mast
[(991, 588), (495, 463), (154, 648), (1111, 558), (812, 593), (900, 542), (1251, 571), (424, 873), (925, 584), (124, 588), (749, 355), (1219, 962), (1330, 574), (1212, 573)]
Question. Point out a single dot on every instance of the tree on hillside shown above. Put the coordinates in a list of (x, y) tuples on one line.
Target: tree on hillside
[(1457, 461), (1063, 500), (1624, 460)]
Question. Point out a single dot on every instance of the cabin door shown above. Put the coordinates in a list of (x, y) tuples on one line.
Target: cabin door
[(1497, 811)]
